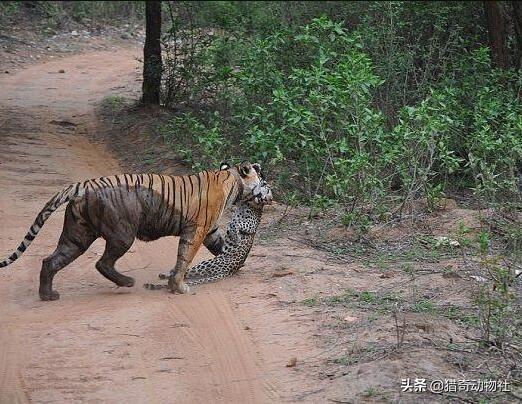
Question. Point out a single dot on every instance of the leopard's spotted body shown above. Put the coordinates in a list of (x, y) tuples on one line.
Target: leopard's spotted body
[(238, 242)]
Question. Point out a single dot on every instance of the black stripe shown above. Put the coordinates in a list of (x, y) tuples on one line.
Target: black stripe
[(126, 182), (137, 184), (191, 194), (168, 192), (170, 225), (98, 185), (168, 207), (229, 194), (29, 237), (162, 195), (208, 190), (54, 202), (191, 186), (13, 256), (112, 195), (133, 179), (110, 182), (66, 190), (181, 207), (55, 205), (77, 189), (21, 248), (103, 180), (240, 189), (199, 198), (150, 181), (186, 195), (86, 213)]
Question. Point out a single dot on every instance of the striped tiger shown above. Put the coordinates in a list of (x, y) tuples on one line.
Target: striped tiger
[(123, 207)]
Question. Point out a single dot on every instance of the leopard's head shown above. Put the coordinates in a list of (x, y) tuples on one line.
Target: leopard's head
[(255, 188)]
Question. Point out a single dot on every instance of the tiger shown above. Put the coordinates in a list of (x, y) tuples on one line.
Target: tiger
[(124, 207)]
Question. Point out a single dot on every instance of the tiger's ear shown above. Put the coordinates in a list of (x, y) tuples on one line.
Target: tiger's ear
[(244, 169), (224, 166)]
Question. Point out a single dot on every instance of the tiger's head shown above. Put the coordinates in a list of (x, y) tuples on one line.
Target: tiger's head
[(255, 189)]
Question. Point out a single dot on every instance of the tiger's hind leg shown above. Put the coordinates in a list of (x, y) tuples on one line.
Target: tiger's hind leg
[(75, 239), (105, 266), (59, 259)]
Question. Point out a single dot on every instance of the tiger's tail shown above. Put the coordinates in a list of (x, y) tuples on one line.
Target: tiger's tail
[(54, 203)]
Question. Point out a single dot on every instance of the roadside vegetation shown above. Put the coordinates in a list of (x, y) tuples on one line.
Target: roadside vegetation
[(362, 106), (375, 122)]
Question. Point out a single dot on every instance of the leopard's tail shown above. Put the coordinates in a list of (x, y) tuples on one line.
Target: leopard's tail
[(72, 191)]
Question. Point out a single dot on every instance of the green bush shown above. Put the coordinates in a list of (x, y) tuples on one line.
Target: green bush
[(194, 141), (467, 128), (305, 101), (315, 117)]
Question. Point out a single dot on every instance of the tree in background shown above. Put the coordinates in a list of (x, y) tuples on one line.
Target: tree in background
[(497, 33), (152, 65)]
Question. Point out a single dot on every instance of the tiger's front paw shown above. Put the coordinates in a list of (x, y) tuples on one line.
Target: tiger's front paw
[(183, 288), (178, 285)]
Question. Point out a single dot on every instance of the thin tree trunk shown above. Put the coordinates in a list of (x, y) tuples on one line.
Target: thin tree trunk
[(152, 66), (497, 33)]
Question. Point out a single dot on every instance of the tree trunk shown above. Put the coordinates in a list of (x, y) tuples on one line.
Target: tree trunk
[(517, 21), (152, 54), (497, 33)]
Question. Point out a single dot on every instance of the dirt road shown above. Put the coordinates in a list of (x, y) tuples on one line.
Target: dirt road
[(98, 342)]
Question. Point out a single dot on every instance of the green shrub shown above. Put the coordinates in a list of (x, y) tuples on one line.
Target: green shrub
[(201, 146), (470, 128), (304, 101)]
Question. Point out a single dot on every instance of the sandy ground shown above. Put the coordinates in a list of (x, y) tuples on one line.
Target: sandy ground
[(99, 342)]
